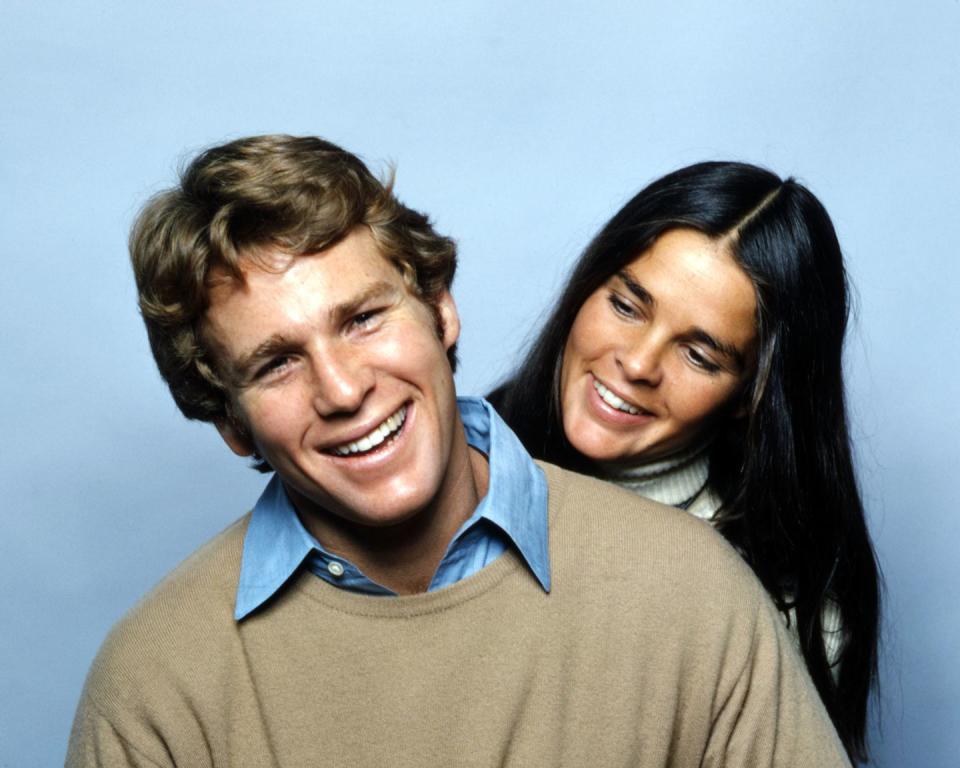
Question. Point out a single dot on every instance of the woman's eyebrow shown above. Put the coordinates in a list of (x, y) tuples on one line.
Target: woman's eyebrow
[(725, 349), (642, 294), (696, 334)]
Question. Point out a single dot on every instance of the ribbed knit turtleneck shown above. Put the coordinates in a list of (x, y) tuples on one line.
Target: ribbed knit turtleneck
[(675, 480), (679, 480)]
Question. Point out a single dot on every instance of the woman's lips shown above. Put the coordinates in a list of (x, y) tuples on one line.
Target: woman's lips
[(609, 406)]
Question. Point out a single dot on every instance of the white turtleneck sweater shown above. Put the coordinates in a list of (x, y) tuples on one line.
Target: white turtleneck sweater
[(680, 480)]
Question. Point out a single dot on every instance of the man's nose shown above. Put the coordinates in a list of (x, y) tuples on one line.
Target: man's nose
[(342, 380)]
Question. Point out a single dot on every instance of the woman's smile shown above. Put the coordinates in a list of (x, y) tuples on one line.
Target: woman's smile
[(609, 404)]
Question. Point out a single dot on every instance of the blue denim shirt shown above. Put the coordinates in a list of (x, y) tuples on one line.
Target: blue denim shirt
[(512, 514)]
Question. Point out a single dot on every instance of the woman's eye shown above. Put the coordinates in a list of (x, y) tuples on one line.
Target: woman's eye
[(621, 307), (701, 361)]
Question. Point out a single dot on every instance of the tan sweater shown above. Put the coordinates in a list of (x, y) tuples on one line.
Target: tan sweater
[(655, 647)]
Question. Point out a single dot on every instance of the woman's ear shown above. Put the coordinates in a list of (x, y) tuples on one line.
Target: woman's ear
[(743, 403)]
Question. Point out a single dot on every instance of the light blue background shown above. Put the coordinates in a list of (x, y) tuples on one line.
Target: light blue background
[(520, 127)]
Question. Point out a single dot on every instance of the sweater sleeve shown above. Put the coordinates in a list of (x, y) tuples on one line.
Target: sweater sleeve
[(96, 743), (773, 715)]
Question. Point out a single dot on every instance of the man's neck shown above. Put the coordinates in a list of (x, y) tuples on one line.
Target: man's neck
[(404, 557)]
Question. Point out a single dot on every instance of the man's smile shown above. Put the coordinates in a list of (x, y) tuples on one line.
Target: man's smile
[(385, 432)]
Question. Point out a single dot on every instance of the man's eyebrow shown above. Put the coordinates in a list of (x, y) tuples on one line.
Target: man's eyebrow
[(725, 349), (378, 289), (278, 343), (642, 294), (242, 366)]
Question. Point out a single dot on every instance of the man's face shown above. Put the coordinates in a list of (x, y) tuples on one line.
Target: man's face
[(341, 380)]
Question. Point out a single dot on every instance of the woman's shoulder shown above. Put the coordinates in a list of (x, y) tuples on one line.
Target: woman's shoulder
[(705, 504)]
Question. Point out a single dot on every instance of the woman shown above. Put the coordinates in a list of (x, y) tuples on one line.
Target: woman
[(695, 357)]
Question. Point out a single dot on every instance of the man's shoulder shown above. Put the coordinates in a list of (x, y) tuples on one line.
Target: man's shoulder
[(160, 659), (206, 580), (189, 611), (632, 539), (596, 504)]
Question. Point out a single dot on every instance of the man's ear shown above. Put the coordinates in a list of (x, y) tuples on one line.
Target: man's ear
[(449, 319), (238, 440)]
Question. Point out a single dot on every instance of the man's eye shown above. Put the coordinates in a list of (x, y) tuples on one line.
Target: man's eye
[(365, 318), (273, 366)]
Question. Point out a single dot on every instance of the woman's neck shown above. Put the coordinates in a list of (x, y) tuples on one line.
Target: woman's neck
[(675, 480)]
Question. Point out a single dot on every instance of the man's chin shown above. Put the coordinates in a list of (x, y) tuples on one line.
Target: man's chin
[(385, 509)]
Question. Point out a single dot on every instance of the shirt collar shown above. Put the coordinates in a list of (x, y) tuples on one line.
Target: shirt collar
[(274, 546), (276, 543), (516, 498)]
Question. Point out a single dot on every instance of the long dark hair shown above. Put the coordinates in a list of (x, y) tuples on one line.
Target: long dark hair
[(784, 472)]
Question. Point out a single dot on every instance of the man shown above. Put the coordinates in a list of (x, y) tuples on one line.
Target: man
[(410, 589)]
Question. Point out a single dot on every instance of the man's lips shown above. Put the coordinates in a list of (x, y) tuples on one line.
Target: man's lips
[(384, 432)]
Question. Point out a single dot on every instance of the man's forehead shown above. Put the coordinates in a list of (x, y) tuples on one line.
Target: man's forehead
[(323, 285), (223, 279)]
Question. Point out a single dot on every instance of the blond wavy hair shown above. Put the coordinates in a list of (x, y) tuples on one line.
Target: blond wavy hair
[(298, 195)]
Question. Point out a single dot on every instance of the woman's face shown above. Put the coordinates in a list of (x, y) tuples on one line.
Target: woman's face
[(657, 352)]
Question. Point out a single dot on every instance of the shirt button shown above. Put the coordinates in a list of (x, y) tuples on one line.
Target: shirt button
[(335, 568)]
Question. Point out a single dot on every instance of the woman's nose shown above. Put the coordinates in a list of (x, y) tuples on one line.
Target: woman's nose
[(640, 360)]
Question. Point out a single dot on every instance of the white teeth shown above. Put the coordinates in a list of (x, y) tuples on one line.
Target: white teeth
[(613, 401), (375, 437)]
